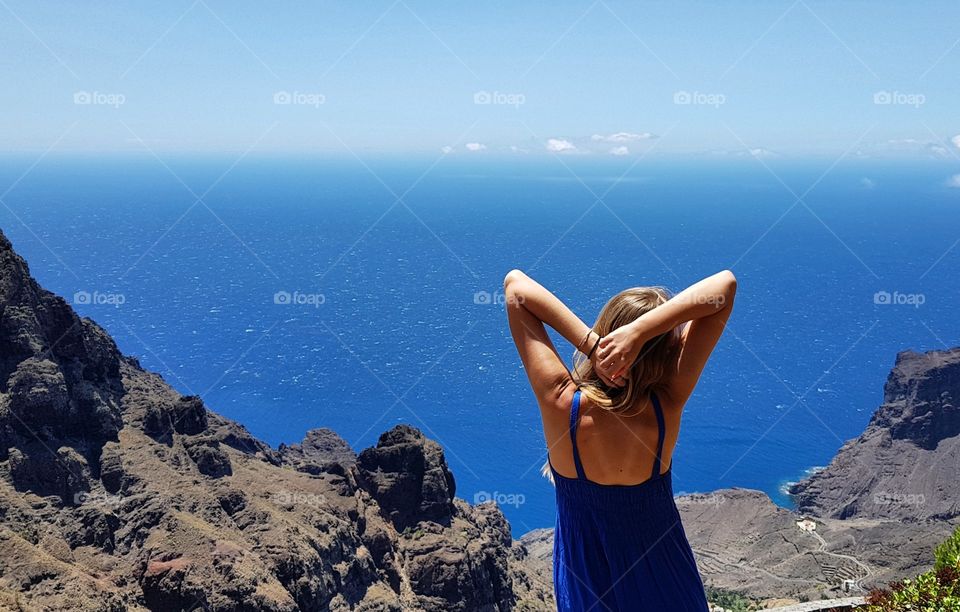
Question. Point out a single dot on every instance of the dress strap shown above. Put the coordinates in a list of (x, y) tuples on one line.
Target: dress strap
[(574, 419), (661, 428)]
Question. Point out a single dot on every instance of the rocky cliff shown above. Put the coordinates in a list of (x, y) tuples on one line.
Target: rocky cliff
[(746, 543), (906, 463), (118, 493)]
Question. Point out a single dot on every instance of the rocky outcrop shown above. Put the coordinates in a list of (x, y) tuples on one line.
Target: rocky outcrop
[(905, 464), (60, 387), (322, 450), (117, 493), (408, 476), (534, 553)]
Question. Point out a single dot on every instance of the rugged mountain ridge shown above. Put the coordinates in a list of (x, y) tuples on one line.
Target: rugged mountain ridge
[(905, 463), (118, 493)]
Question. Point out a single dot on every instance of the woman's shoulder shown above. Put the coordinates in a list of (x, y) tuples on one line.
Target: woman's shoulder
[(667, 399)]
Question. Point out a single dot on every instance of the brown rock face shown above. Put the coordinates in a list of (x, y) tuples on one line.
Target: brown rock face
[(408, 476), (117, 493), (922, 399), (322, 450), (60, 383), (905, 464)]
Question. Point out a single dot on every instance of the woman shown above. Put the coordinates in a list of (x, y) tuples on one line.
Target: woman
[(611, 426)]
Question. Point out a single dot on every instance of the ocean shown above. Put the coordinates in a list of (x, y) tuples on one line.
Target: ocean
[(302, 292)]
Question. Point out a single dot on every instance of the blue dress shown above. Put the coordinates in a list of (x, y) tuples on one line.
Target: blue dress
[(622, 547)]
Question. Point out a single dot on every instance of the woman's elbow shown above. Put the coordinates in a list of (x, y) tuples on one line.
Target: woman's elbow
[(512, 278), (513, 284), (729, 281)]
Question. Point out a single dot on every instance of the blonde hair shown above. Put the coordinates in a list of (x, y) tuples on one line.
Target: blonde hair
[(653, 365)]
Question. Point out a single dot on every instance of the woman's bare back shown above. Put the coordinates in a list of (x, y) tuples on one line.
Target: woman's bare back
[(614, 449)]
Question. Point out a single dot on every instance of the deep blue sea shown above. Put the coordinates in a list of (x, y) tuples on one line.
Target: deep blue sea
[(384, 263)]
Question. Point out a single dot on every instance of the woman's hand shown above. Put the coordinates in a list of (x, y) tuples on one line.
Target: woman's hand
[(618, 351), (595, 360)]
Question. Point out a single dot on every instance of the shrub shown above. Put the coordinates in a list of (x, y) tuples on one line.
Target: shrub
[(730, 600), (935, 591), (948, 553)]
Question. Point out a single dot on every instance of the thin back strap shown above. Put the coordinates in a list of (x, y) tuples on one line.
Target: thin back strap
[(661, 428), (574, 418)]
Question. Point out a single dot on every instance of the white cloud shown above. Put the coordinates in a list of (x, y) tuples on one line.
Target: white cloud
[(762, 153), (447, 150), (954, 181), (913, 146), (476, 146), (956, 141), (867, 183), (622, 137), (559, 145), (619, 151)]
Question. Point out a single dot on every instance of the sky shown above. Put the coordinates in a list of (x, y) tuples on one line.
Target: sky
[(603, 78)]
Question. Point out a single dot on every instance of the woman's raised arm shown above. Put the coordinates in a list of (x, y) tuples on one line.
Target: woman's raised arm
[(529, 307), (706, 305)]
